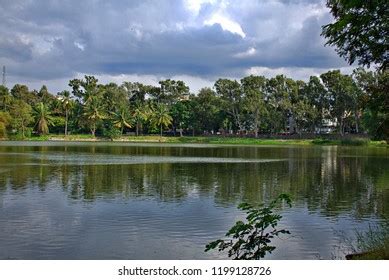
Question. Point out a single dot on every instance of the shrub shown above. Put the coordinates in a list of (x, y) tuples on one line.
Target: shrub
[(251, 240)]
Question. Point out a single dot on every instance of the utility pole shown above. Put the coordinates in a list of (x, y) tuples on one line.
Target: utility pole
[(3, 75)]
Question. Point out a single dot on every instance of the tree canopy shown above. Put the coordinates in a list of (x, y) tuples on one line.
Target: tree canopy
[(360, 31)]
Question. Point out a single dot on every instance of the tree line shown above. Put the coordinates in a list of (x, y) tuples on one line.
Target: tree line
[(356, 103)]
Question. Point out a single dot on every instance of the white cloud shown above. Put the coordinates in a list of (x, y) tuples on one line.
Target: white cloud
[(298, 73), (57, 85), (250, 52), (79, 45), (226, 23), (195, 5), (146, 40)]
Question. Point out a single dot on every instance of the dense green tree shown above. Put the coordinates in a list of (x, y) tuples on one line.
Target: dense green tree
[(135, 92), (207, 114), (161, 117), (254, 88), (121, 117), (318, 97), (231, 96), (21, 114), (181, 113), (22, 92), (94, 112), (357, 102), (113, 96), (172, 91), (43, 118), (376, 101), (85, 88), (45, 96), (360, 31), (280, 92), (341, 88), (141, 114), (66, 104), (5, 122), (5, 98)]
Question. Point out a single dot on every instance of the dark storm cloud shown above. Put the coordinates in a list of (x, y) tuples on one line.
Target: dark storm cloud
[(56, 39), (15, 49)]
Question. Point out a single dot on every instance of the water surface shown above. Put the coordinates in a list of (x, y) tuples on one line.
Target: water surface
[(148, 201)]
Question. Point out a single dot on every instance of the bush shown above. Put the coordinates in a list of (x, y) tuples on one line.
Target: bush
[(251, 240), (355, 141), (112, 132), (3, 130), (372, 244)]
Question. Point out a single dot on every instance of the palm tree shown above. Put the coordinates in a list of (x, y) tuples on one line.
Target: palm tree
[(161, 116), (67, 105), (43, 117), (121, 118), (142, 112), (94, 112)]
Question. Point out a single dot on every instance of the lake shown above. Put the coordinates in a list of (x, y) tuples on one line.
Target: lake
[(102, 200)]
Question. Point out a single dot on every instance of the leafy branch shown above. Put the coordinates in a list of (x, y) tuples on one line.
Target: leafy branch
[(251, 240)]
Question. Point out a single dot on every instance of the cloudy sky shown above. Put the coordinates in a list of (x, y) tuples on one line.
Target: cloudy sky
[(52, 41)]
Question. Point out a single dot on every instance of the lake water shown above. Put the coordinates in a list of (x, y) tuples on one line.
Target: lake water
[(149, 201)]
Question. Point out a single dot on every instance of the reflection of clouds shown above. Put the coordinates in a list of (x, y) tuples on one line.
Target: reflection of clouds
[(170, 209)]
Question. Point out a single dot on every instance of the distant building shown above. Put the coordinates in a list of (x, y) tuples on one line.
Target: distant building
[(327, 126)]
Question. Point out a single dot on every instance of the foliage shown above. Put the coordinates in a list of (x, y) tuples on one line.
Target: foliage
[(111, 132), (94, 112), (43, 118), (161, 117), (121, 118), (21, 114), (355, 141), (374, 87), (251, 239), (255, 105), (373, 243), (66, 105), (360, 31), (5, 121), (231, 96), (5, 98)]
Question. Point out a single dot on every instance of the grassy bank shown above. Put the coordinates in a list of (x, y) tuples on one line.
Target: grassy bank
[(372, 244), (210, 140)]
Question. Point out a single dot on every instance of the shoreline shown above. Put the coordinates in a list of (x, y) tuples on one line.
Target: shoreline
[(221, 140)]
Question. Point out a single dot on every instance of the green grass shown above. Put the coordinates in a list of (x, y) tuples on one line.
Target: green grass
[(210, 140), (373, 244)]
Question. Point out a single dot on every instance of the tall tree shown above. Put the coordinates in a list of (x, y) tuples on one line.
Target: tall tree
[(207, 111), (161, 117), (94, 112), (5, 98), (135, 92), (180, 112), (254, 88), (318, 97), (340, 87), (121, 117), (5, 121), (85, 89), (172, 91), (360, 31), (231, 94), (280, 92), (43, 118), (141, 113), (21, 114), (376, 101), (67, 104)]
